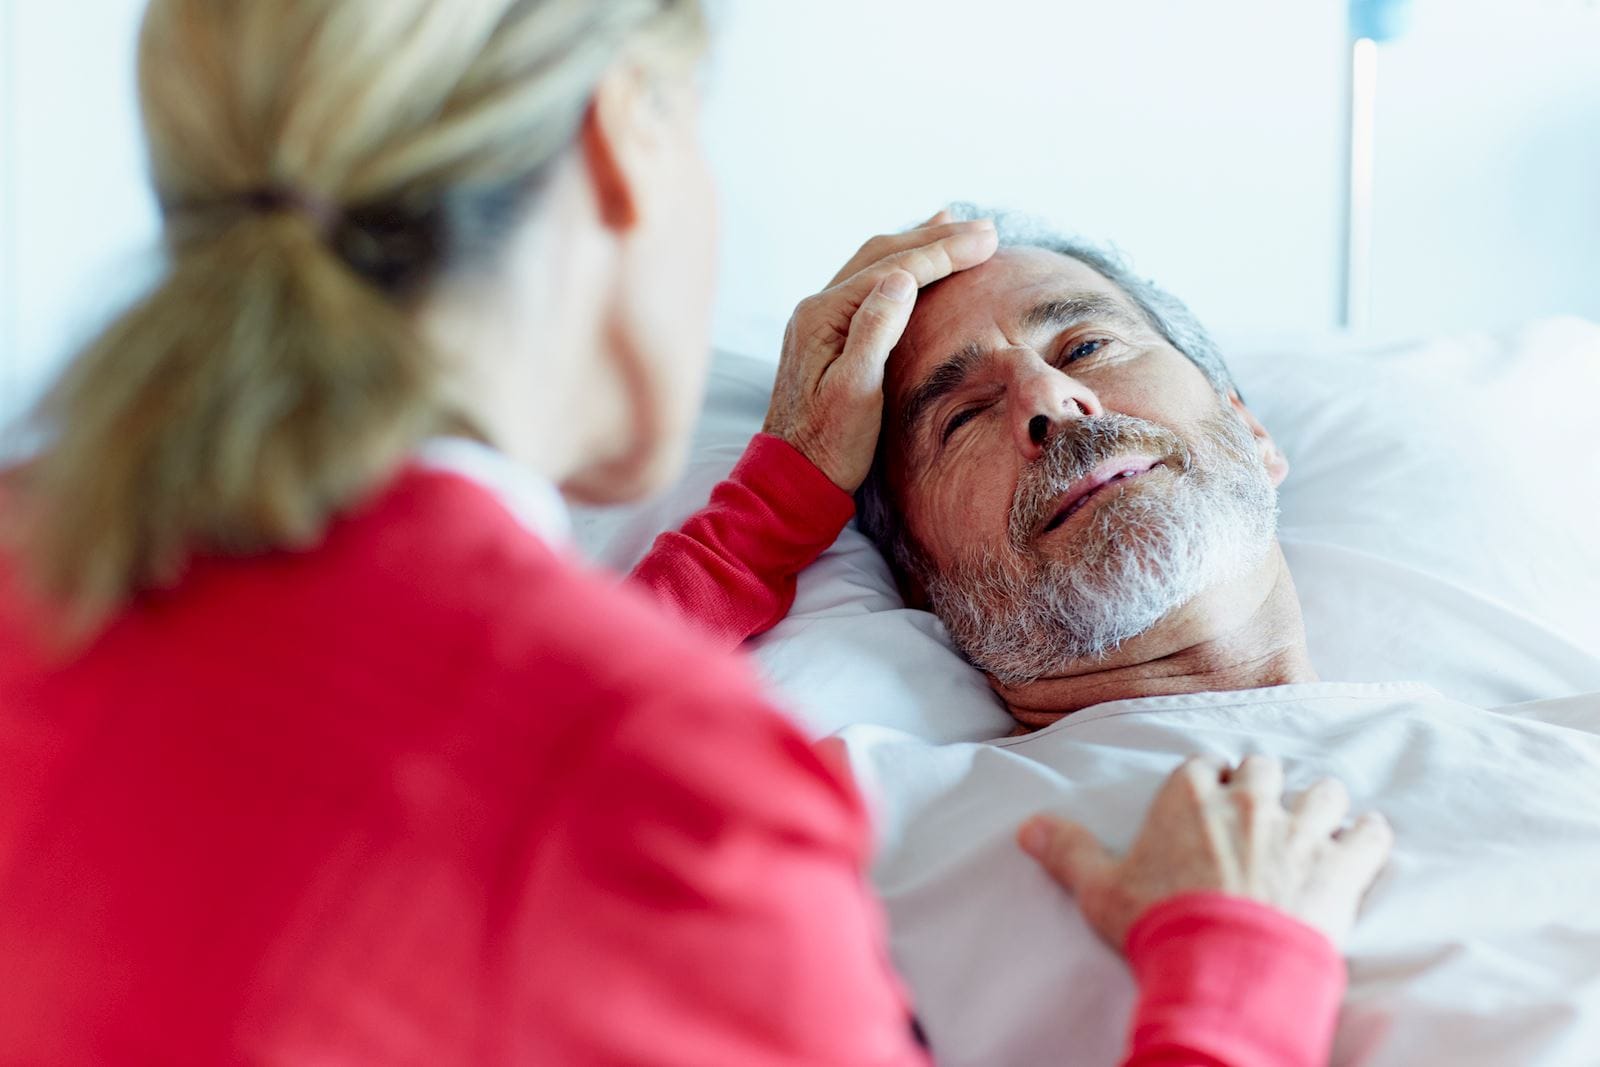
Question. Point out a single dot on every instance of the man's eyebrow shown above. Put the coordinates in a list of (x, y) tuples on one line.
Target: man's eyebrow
[(1058, 312), (945, 379), (1079, 307)]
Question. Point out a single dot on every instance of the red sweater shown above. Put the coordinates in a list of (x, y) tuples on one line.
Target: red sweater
[(433, 794)]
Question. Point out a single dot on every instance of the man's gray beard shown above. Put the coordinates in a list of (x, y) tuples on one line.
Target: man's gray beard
[(1141, 556)]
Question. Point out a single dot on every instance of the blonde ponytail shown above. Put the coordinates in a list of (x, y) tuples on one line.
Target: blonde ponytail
[(321, 162), (250, 396)]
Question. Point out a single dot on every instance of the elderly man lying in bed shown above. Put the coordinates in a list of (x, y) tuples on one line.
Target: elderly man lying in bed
[(1067, 476), (1087, 505)]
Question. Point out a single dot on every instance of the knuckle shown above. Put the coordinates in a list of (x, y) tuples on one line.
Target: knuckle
[(870, 319), (1351, 866), (1198, 771), (1377, 830), (1259, 762), (923, 263), (1305, 849), (1057, 860), (808, 307), (876, 306), (1332, 789), (874, 246), (1187, 780)]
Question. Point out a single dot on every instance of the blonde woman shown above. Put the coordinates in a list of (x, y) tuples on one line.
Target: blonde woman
[(316, 744)]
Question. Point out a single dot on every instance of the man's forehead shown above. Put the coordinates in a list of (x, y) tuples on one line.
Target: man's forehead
[(969, 306)]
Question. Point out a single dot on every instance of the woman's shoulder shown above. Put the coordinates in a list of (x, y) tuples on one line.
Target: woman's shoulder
[(532, 610), (643, 693), (434, 602)]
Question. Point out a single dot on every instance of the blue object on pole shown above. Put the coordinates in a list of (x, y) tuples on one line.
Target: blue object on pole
[(1381, 20)]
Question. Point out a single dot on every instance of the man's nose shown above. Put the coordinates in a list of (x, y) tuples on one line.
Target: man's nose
[(1047, 399)]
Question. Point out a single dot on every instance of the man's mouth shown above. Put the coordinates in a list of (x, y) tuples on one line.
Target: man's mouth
[(1081, 492)]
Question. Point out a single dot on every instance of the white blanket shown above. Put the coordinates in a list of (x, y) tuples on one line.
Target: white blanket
[(1480, 944), (1440, 521)]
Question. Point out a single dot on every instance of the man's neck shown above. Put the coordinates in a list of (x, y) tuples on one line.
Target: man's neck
[(1247, 634)]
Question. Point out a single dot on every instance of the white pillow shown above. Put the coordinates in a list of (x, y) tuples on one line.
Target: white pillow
[(1442, 505), (1438, 516)]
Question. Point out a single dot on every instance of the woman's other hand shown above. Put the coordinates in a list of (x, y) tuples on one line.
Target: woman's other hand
[(1212, 829), (828, 398)]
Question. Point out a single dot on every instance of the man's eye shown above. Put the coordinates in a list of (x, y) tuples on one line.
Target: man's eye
[(960, 419), (1086, 348)]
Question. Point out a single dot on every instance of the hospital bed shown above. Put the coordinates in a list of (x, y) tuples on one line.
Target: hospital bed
[(1440, 521)]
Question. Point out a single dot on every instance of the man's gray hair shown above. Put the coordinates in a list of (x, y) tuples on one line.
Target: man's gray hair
[(876, 515)]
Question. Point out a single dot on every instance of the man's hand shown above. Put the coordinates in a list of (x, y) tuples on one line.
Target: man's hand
[(828, 398), (1224, 831)]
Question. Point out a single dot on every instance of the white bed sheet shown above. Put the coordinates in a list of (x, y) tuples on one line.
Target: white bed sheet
[(1479, 946), (1440, 521)]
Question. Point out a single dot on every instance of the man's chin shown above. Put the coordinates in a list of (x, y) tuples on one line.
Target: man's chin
[(1020, 631), (1118, 579)]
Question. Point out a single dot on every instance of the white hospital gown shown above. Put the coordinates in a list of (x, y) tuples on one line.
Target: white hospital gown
[(1479, 945)]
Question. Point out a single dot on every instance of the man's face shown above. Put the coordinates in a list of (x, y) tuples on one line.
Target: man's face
[(1066, 476)]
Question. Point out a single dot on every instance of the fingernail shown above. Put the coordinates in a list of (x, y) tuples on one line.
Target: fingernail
[(1034, 837), (899, 286)]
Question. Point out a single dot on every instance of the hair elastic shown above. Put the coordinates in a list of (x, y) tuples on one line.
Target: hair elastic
[(323, 213)]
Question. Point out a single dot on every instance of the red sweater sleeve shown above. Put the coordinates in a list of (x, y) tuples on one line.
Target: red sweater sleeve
[(732, 566), (1228, 982)]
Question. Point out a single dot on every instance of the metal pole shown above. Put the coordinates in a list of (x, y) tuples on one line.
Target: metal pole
[(1356, 313)]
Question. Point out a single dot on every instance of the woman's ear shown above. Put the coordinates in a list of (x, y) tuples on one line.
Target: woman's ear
[(1272, 456), (616, 144)]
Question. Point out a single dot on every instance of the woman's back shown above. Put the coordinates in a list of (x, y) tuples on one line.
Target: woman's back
[(418, 795)]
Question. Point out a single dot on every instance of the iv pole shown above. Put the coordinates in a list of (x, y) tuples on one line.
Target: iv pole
[(1371, 22)]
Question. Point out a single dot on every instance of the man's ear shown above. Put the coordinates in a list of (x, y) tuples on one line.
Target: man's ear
[(1272, 456), (616, 139)]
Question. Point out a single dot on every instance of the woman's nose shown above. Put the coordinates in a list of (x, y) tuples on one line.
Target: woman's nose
[(1049, 400)]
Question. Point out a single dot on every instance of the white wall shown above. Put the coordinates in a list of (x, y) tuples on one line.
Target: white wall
[(1488, 186), (1206, 145), (84, 222), (8, 213), (1205, 139)]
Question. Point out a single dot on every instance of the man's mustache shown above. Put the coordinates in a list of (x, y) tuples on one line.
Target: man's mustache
[(1073, 451)]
